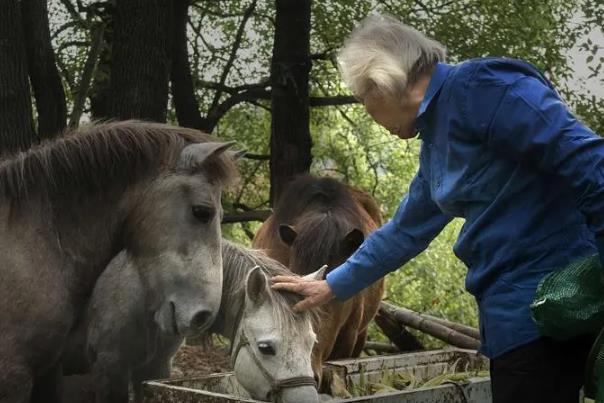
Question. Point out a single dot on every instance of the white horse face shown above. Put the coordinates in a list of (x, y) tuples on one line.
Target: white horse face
[(177, 242), (271, 347)]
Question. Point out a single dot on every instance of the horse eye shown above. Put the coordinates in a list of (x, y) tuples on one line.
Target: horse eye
[(266, 349), (202, 213)]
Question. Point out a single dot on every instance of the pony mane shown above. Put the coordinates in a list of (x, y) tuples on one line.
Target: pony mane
[(97, 156), (238, 261), (322, 210), (308, 192)]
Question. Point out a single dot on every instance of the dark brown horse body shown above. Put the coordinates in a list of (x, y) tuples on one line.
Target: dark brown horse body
[(67, 207), (321, 221)]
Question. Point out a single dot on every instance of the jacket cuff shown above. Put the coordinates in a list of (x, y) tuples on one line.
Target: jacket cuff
[(341, 283)]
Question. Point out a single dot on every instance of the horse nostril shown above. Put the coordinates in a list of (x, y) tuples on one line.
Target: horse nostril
[(200, 319)]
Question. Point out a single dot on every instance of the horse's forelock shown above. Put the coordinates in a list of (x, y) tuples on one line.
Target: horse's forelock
[(311, 193), (238, 261), (320, 237)]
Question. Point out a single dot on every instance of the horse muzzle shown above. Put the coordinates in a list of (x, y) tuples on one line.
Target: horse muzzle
[(183, 319)]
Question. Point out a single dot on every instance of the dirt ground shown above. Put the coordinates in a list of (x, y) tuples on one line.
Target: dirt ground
[(192, 361), (189, 361)]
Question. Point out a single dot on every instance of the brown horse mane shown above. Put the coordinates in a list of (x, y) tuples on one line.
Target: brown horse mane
[(323, 211), (100, 155)]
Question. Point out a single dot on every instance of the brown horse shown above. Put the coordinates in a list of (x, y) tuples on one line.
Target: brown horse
[(68, 206), (319, 221)]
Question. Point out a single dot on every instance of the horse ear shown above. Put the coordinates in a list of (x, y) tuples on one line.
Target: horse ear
[(256, 285), (317, 275), (353, 240), (237, 155), (194, 155), (287, 233)]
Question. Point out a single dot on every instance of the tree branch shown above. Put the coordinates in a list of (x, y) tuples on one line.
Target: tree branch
[(327, 55), (234, 49), (220, 110), (72, 10), (257, 157), (254, 215), (232, 90), (333, 100), (87, 73), (421, 323)]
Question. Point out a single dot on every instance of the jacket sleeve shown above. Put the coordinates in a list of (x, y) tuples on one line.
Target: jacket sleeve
[(416, 222), (532, 124)]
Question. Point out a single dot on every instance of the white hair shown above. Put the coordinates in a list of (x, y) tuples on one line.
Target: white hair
[(383, 54)]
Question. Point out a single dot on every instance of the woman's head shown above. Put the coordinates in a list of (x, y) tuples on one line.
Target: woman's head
[(381, 62)]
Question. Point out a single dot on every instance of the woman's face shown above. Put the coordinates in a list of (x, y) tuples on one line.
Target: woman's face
[(395, 115)]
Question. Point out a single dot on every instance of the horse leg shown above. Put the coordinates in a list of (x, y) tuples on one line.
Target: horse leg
[(111, 381), (360, 343), (159, 367), (348, 336), (16, 381), (48, 387)]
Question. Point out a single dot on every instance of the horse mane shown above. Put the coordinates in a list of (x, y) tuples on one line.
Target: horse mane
[(238, 261), (99, 155), (322, 210), (308, 192)]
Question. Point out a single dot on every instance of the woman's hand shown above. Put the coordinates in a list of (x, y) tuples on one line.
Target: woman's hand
[(315, 292)]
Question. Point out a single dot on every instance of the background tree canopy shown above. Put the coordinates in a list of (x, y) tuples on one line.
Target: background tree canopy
[(264, 73)]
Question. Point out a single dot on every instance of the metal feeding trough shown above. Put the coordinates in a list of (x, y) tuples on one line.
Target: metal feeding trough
[(369, 379)]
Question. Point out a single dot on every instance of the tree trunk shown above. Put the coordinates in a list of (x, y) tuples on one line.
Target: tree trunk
[(140, 67), (45, 79), (183, 92), (16, 125), (100, 91), (290, 135)]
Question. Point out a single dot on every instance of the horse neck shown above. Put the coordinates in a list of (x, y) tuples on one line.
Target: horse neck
[(89, 233), (232, 305)]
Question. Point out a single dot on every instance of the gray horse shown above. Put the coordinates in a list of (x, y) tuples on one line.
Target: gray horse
[(271, 346), (68, 206)]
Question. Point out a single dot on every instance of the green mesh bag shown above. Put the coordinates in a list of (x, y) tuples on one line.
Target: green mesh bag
[(594, 371), (570, 302)]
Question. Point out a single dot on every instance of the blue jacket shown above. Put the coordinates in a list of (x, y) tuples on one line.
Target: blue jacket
[(500, 149)]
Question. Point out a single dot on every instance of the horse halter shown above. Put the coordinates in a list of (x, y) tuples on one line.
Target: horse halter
[(277, 385)]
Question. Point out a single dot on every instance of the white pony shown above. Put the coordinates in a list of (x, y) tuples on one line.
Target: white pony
[(271, 345)]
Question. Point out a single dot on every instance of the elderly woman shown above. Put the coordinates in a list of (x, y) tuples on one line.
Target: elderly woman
[(502, 150)]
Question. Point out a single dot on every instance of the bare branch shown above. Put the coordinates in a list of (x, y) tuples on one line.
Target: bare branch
[(421, 323), (381, 348), (220, 110), (72, 10), (232, 90), (327, 55), (63, 27), (66, 74), (85, 80), (333, 100), (257, 157), (234, 49), (254, 215), (207, 11), (68, 44)]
